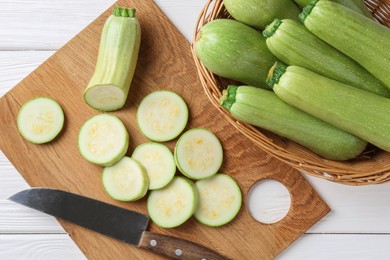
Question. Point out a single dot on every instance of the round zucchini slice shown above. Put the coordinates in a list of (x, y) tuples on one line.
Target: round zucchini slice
[(126, 180), (103, 139), (162, 115), (158, 162), (219, 200), (198, 154), (40, 120), (174, 204)]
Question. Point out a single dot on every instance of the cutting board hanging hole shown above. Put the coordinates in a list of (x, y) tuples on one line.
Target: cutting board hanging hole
[(269, 201)]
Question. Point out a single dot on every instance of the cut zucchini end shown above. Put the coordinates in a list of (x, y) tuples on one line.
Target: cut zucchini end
[(126, 180), (40, 120), (158, 161), (198, 154), (220, 200), (173, 205), (105, 97), (162, 115), (103, 140)]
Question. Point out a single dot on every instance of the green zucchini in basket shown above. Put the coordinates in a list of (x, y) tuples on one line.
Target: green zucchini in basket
[(259, 13), (116, 62), (355, 5), (293, 44), (264, 109), (235, 51), (356, 111), (362, 39)]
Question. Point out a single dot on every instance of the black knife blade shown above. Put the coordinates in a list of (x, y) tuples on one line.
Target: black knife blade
[(110, 220), (98, 216)]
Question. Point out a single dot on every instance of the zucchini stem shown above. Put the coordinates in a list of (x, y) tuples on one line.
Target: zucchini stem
[(229, 97), (123, 12), (307, 10), (271, 28), (275, 73)]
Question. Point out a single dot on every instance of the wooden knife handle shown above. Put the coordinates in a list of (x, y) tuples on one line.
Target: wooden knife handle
[(176, 248)]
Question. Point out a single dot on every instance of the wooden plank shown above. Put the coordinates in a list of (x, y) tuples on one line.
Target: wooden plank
[(165, 62), (15, 65), (47, 25), (339, 247), (44, 246), (355, 209), (15, 218), (314, 246)]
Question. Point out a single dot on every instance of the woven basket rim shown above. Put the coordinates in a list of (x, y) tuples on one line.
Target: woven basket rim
[(375, 169)]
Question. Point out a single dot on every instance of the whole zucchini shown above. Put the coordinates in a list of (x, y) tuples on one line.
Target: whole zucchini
[(293, 44), (362, 39), (235, 51), (356, 111), (116, 62), (356, 5), (264, 109), (259, 13)]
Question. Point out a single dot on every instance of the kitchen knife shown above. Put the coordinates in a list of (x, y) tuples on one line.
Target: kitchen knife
[(109, 220)]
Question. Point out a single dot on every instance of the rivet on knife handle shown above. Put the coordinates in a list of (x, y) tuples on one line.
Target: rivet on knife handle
[(176, 248)]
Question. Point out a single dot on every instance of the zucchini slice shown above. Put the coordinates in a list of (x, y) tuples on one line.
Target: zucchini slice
[(126, 180), (174, 204), (198, 153), (219, 200), (40, 120), (162, 115), (103, 139), (158, 162)]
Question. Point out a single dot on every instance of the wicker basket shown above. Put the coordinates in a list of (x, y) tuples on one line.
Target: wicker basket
[(372, 167)]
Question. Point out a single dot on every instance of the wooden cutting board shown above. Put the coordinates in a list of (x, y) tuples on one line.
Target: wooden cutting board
[(165, 63)]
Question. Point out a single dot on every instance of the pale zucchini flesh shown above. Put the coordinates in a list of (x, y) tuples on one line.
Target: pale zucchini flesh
[(219, 200), (174, 204), (103, 139), (40, 120), (198, 153), (162, 115), (126, 180), (158, 162), (117, 58)]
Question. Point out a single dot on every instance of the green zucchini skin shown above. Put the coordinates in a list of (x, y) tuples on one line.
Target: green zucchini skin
[(235, 51), (356, 5), (293, 44), (354, 110), (362, 39), (259, 13), (264, 109), (118, 54)]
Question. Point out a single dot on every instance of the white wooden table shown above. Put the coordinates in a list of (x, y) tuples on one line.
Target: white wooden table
[(30, 31)]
